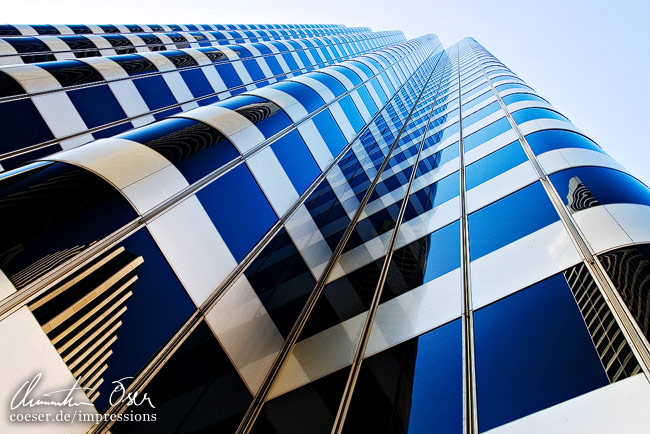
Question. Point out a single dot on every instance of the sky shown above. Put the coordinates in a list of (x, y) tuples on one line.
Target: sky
[(590, 59)]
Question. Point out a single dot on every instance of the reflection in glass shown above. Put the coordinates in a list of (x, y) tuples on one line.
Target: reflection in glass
[(614, 351), (604, 184), (81, 315), (281, 280), (197, 390), (308, 409), (414, 387), (54, 212), (629, 269), (579, 197)]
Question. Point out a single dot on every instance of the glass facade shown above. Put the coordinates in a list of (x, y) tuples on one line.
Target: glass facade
[(310, 229)]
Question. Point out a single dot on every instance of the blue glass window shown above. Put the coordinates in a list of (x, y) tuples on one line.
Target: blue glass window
[(506, 86), (7, 30), (521, 116), (414, 387), (438, 159), (328, 213), (468, 94), (486, 133), (433, 195), (309, 98), (351, 75), (274, 66), (254, 70), (235, 201), (544, 141), (443, 134), (267, 116), (481, 113), (311, 407), (94, 114), (155, 92), (604, 184), (197, 387), (516, 97), (121, 44), (228, 75), (471, 103), (509, 219), (332, 83), (438, 382), (351, 112), (367, 100), (330, 131), (494, 164), (157, 309), (196, 82), (281, 280), (296, 160), (27, 125), (72, 72), (304, 58), (443, 254), (9, 86), (31, 45), (293, 66), (75, 208), (379, 90), (195, 148), (525, 361), (134, 64)]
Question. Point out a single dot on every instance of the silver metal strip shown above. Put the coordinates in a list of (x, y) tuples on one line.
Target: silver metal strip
[(470, 416)]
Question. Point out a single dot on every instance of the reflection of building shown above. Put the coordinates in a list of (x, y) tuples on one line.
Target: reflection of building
[(613, 349), (579, 196), (319, 229), (629, 269), (82, 314)]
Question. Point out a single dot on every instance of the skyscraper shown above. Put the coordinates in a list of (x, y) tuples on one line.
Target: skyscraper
[(308, 229)]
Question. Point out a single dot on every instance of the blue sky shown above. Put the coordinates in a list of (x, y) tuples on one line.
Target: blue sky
[(590, 59)]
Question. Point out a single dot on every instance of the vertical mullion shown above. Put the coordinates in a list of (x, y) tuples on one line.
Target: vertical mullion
[(470, 418)]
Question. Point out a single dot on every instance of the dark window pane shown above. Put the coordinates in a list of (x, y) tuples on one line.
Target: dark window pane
[(308, 409), (415, 387), (281, 280), (195, 148), (197, 390), (75, 208), (27, 126), (524, 362), (93, 114)]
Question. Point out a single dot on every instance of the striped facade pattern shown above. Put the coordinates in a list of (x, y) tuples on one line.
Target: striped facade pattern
[(278, 229)]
